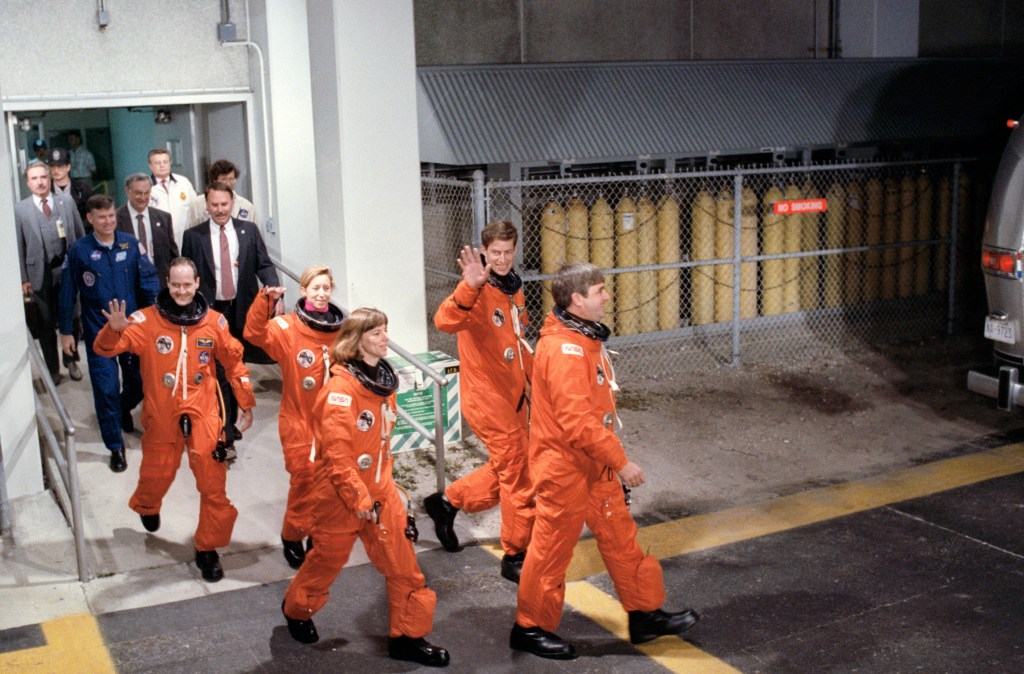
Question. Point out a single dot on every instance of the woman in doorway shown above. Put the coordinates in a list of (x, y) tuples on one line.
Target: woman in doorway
[(300, 342), (355, 496)]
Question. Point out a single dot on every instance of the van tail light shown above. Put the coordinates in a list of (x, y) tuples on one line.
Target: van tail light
[(1001, 262)]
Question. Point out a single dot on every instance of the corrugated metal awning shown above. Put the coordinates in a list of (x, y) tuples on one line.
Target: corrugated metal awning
[(585, 113)]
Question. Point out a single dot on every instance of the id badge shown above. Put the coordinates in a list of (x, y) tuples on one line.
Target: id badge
[(60, 228)]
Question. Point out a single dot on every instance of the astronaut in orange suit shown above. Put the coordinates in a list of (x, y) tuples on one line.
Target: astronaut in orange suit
[(487, 312), (354, 495), (177, 341), (577, 462), (300, 342)]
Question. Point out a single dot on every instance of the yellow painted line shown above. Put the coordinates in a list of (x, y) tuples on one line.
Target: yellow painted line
[(701, 532), (670, 652), (73, 644)]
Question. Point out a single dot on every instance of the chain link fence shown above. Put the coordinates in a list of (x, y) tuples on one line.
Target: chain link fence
[(822, 254)]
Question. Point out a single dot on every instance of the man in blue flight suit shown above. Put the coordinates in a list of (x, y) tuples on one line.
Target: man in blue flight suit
[(103, 266)]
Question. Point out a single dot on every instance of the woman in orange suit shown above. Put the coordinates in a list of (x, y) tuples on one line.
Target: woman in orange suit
[(354, 495), (300, 342)]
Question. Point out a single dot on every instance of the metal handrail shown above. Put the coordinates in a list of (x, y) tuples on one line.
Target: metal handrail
[(67, 462), (438, 380)]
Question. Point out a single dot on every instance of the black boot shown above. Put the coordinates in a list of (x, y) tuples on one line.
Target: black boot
[(417, 650), (647, 625), (443, 513), (118, 463), (208, 562), (303, 631), (150, 522), (541, 642), (512, 567), (293, 553)]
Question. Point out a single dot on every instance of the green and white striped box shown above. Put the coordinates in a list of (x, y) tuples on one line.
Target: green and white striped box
[(416, 396)]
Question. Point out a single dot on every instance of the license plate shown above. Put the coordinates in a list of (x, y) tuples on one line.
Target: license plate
[(1000, 331)]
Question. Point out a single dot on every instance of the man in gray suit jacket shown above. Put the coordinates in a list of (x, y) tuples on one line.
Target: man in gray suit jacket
[(151, 226), (232, 261), (46, 225)]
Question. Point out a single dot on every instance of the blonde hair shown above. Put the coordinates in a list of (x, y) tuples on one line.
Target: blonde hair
[(312, 272), (355, 325)]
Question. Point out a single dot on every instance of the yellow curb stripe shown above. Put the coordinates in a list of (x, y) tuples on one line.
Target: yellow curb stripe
[(73, 644), (670, 652), (701, 532)]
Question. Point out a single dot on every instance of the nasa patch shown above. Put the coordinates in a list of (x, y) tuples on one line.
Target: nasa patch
[(204, 357), (95, 256), (339, 399), (88, 279), (305, 358), (243, 213), (164, 344), (572, 350), (498, 317)]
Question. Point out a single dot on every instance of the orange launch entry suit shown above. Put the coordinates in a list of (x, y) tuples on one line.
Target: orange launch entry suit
[(179, 377), (574, 459), (495, 367), (352, 469), (302, 350)]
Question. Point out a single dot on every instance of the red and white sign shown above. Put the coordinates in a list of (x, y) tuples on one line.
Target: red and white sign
[(800, 206)]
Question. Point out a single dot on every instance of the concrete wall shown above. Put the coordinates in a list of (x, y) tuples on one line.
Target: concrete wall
[(152, 46), (452, 32)]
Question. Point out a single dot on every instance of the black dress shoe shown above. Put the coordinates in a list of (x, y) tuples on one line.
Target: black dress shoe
[(512, 567), (208, 562), (541, 642), (293, 553), (118, 464), (417, 650), (443, 513), (303, 631), (150, 522), (647, 625)]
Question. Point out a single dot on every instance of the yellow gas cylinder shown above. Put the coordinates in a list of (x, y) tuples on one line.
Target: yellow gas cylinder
[(922, 270), (668, 252), (627, 286), (602, 249), (873, 237), (647, 240), (702, 247), (890, 234), (942, 223), (908, 227), (773, 240), (853, 269), (791, 266), (577, 217), (552, 247), (810, 239), (723, 249), (835, 222), (748, 248)]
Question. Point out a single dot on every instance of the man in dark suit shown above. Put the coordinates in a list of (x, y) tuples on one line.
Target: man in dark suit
[(151, 226), (46, 225), (61, 181), (232, 261)]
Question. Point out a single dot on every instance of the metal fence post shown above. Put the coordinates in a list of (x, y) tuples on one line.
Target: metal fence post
[(479, 205), (954, 240), (737, 248), (438, 435)]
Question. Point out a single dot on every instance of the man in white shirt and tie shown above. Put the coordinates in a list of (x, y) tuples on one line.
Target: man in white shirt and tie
[(151, 226), (172, 192)]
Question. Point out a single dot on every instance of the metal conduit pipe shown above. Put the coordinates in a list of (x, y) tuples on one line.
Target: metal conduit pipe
[(438, 381)]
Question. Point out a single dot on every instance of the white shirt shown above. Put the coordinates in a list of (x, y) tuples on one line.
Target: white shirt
[(146, 225), (229, 229), (177, 200)]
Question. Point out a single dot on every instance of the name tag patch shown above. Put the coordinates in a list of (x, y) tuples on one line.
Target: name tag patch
[(572, 350), (339, 399)]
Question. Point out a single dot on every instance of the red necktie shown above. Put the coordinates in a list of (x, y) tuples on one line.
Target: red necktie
[(46, 208), (163, 184), (142, 233), (227, 281)]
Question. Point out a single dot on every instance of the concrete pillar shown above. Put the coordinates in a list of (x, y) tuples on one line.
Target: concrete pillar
[(875, 29), (19, 441), (366, 155)]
